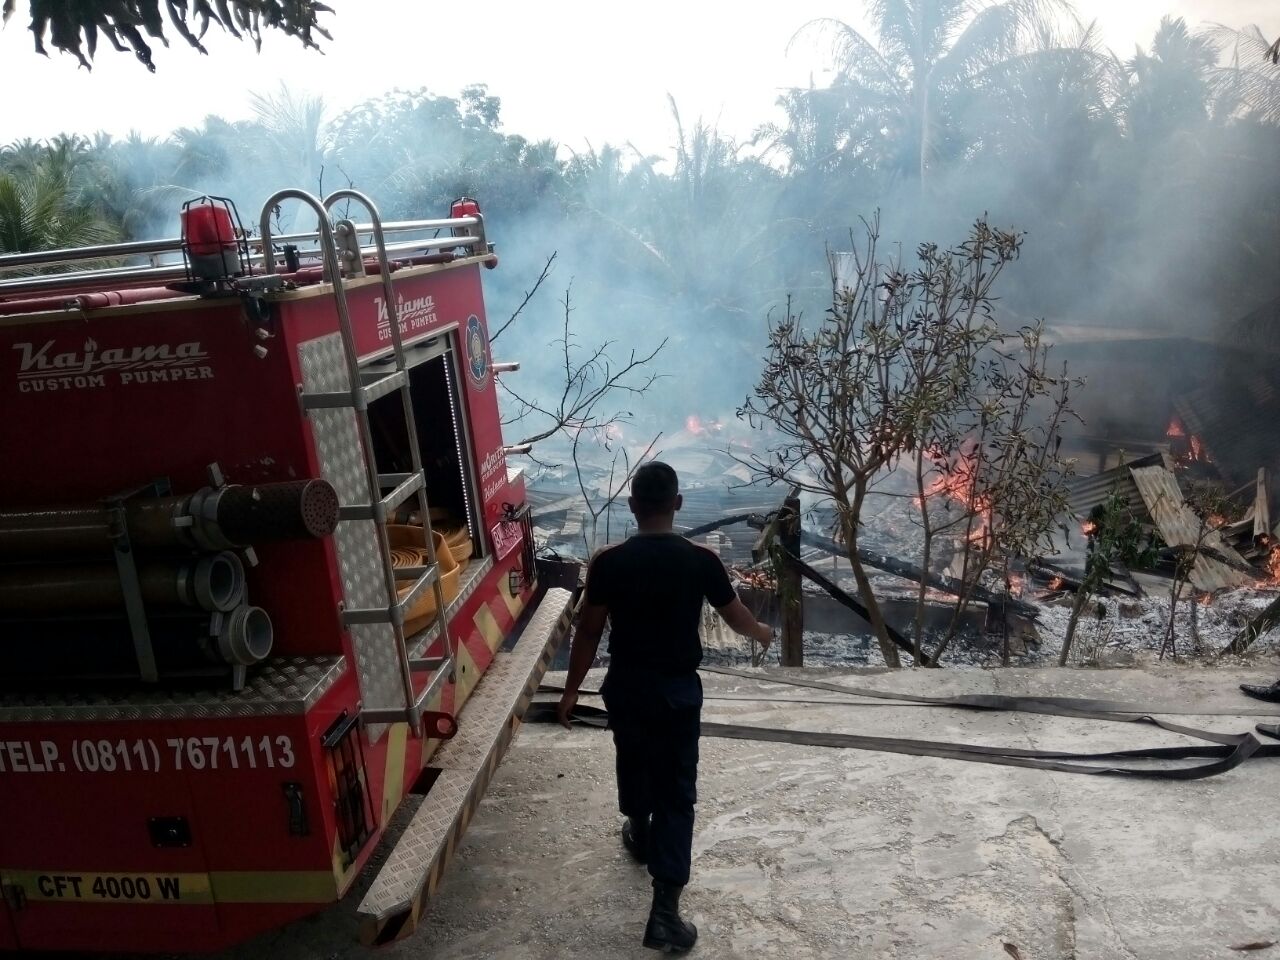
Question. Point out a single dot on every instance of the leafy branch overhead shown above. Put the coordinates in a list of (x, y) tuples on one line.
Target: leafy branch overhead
[(74, 27)]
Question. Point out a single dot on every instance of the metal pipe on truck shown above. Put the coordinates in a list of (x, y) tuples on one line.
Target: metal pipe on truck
[(214, 518), (70, 646), (213, 582)]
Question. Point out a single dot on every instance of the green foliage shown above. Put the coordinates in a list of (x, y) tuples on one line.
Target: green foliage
[(74, 26), (39, 211), (1116, 535)]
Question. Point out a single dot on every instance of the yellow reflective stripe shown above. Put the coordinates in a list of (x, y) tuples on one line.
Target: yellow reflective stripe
[(393, 781), (512, 600), (274, 886), (467, 676), (487, 624), (175, 889)]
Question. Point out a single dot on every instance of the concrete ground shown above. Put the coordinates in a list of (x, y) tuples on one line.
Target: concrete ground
[(810, 852)]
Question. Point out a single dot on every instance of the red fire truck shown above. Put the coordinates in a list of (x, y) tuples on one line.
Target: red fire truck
[(266, 575)]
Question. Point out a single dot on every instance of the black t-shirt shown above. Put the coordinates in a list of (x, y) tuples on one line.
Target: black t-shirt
[(653, 585)]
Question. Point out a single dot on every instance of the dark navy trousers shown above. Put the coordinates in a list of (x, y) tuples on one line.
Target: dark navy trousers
[(655, 721)]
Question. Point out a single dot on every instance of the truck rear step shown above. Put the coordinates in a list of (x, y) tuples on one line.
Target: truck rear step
[(488, 722)]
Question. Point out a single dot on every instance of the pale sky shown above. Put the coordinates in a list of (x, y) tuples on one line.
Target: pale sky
[(571, 70)]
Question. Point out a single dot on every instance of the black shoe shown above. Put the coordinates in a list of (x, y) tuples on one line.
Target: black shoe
[(635, 837), (1269, 693), (666, 930)]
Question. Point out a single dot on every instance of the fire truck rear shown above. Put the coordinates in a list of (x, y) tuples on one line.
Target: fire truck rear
[(265, 575)]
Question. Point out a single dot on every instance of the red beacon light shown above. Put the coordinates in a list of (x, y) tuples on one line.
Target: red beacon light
[(212, 239), (469, 207), (463, 207)]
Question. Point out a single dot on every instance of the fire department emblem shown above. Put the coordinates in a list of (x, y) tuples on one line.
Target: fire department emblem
[(477, 352)]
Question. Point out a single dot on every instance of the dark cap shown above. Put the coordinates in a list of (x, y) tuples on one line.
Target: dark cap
[(655, 485)]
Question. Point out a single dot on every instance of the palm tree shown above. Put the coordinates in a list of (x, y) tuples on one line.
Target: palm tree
[(1249, 83), (817, 137), (39, 210), (1172, 85), (907, 86), (297, 135)]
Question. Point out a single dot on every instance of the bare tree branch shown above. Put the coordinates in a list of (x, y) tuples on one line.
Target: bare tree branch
[(588, 383), (546, 272)]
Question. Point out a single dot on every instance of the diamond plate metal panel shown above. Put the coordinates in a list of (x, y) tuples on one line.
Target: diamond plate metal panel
[(473, 575), (337, 439), (287, 685), (467, 762)]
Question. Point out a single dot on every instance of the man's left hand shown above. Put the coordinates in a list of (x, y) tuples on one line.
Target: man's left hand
[(564, 711)]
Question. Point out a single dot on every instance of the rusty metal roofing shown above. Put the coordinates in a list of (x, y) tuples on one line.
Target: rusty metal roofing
[(1179, 526)]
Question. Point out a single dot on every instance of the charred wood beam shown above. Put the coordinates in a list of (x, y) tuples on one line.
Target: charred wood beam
[(1259, 626), (1046, 570), (768, 527), (839, 596), (909, 571), (1187, 550), (722, 522)]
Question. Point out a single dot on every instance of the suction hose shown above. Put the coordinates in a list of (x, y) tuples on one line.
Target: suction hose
[(215, 582)]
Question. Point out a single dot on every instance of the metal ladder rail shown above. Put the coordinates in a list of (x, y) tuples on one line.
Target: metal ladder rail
[(446, 664), (161, 273), (358, 399)]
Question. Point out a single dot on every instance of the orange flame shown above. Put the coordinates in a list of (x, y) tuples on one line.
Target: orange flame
[(1198, 452), (1190, 448), (1089, 528), (694, 425), (1272, 562), (1056, 583), (955, 482)]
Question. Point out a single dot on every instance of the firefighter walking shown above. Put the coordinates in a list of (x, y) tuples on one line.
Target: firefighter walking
[(650, 589)]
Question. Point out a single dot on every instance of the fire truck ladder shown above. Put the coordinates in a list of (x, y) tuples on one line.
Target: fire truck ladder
[(340, 246)]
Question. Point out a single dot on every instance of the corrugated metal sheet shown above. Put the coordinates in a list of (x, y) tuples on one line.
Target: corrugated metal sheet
[(1237, 424), (1256, 331), (1179, 526), (1085, 493)]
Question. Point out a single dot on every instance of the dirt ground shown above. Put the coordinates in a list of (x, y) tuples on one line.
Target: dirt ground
[(809, 852)]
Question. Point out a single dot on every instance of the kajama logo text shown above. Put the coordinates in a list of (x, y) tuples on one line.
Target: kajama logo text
[(48, 367), (415, 313)]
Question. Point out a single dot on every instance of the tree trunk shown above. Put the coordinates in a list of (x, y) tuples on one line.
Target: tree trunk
[(1004, 620), (925, 557), (1082, 597), (878, 627)]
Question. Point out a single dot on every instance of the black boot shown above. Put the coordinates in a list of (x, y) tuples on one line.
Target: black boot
[(666, 930), (635, 837), (1269, 693)]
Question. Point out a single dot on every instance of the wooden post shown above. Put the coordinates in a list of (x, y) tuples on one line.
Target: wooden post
[(789, 586), (1262, 506)]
